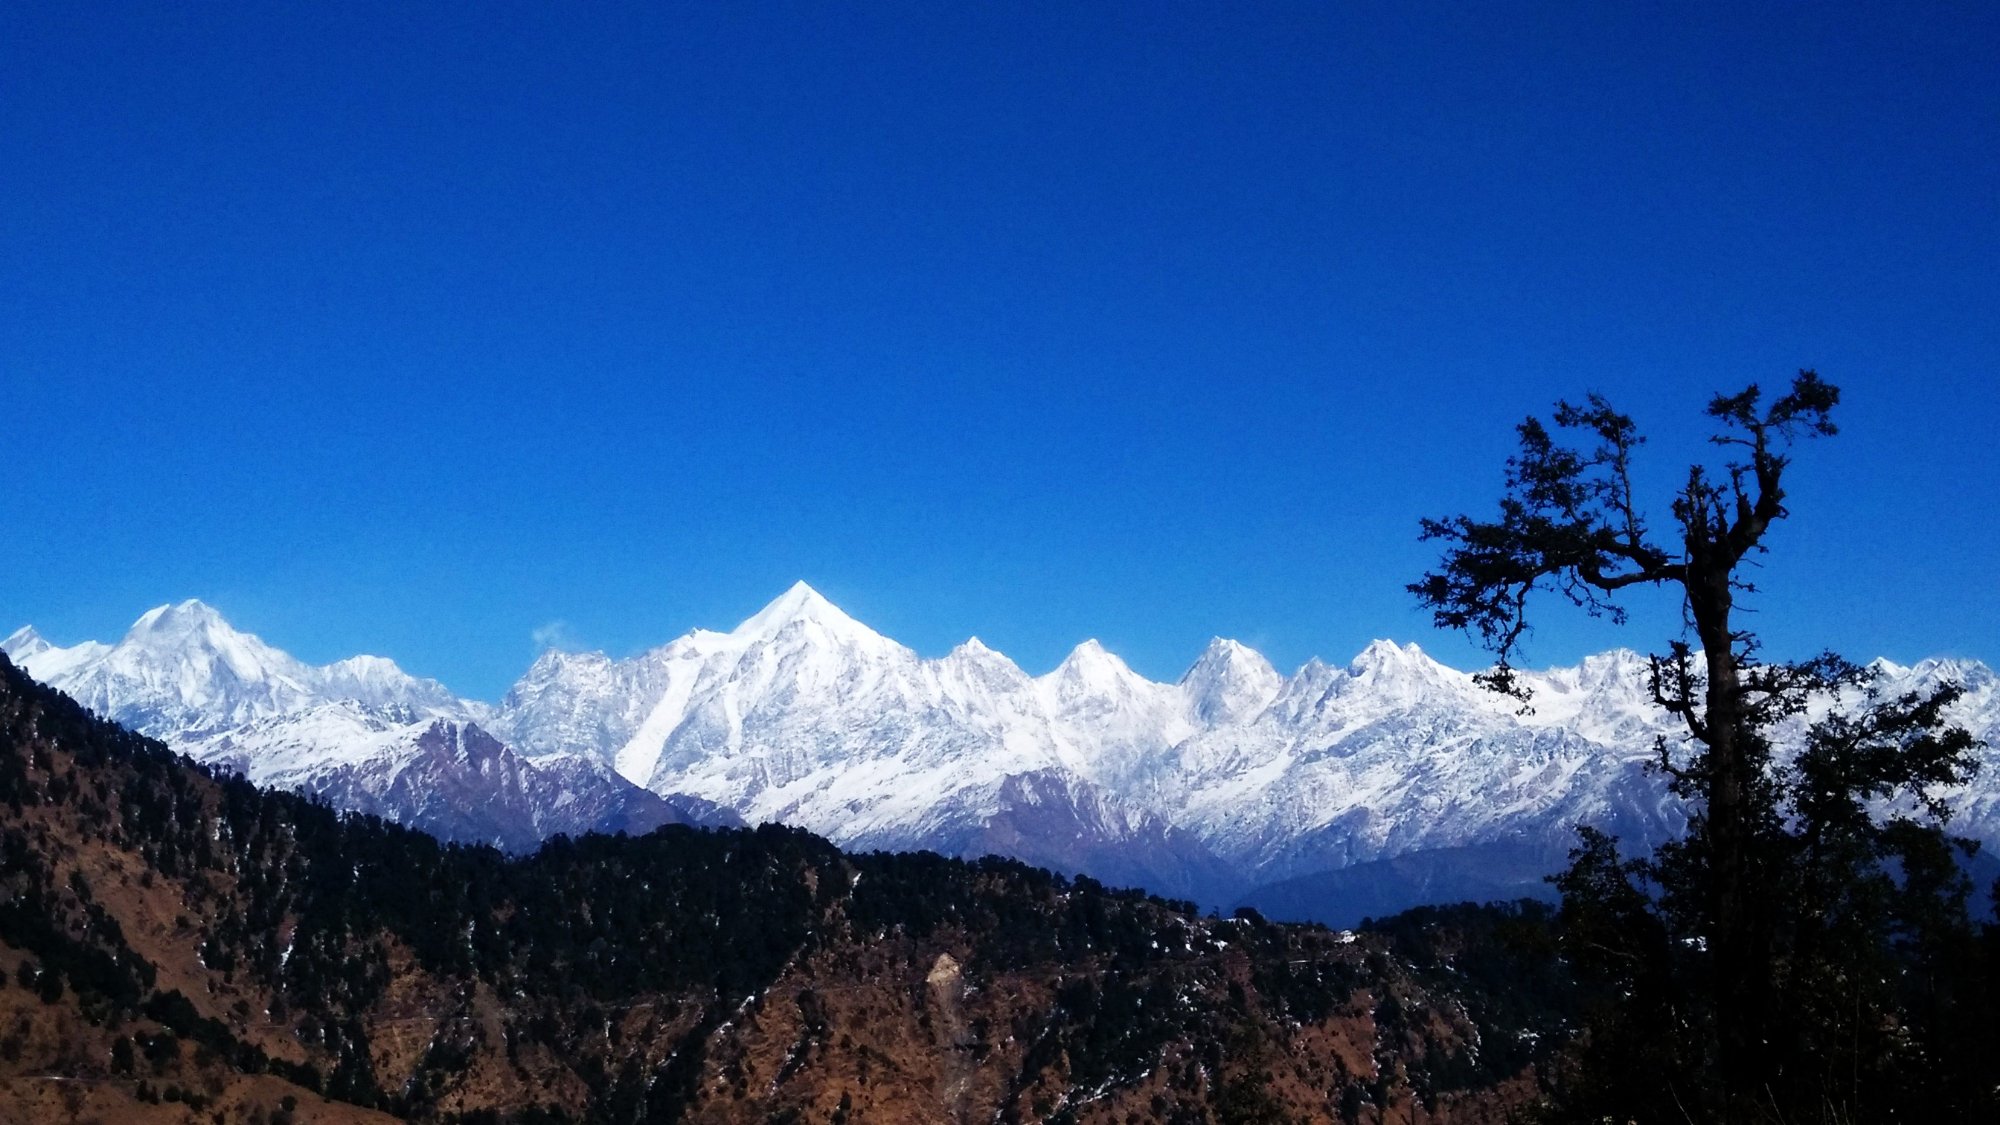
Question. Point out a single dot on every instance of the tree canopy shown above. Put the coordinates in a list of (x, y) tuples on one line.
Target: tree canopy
[(1805, 947)]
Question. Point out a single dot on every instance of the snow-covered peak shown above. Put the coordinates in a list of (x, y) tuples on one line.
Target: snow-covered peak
[(1617, 663), (1230, 682), (1385, 663), (1606, 697), (376, 681), (1091, 661), (1404, 673), (1093, 672), (23, 643), (190, 650), (367, 668), (1968, 674), (179, 669), (182, 671), (51, 664), (974, 651), (1387, 657), (1223, 653), (555, 663), (172, 622), (1619, 669), (804, 608), (1885, 667), (1121, 721), (1313, 679), (1384, 679), (190, 644), (976, 668)]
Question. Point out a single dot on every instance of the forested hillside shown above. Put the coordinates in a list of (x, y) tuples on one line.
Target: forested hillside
[(180, 945)]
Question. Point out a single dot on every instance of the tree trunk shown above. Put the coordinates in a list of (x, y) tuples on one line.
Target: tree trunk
[(1738, 981)]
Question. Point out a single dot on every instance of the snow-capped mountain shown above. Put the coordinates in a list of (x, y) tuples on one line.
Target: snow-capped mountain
[(181, 671), (1387, 780), (1230, 683), (360, 732), (804, 716)]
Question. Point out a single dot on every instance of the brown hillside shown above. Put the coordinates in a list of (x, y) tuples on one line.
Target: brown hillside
[(180, 947)]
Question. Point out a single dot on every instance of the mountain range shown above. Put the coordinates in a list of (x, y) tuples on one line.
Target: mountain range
[(1329, 793), (178, 945)]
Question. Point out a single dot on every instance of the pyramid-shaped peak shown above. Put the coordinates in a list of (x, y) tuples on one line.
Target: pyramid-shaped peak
[(1230, 681), (801, 604), (973, 653), (1222, 652), (1227, 659), (1092, 662), (802, 592), (23, 643), (1092, 651), (1883, 666)]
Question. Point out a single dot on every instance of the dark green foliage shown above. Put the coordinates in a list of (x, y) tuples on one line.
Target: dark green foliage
[(161, 1050), (312, 907), (73, 938), (1112, 1028), (1025, 915), (1805, 949), (1503, 963), (298, 1074)]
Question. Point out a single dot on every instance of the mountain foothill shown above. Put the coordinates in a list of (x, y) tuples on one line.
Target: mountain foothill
[(796, 872), (180, 945)]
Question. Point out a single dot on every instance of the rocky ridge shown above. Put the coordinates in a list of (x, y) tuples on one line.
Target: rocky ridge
[(1233, 778)]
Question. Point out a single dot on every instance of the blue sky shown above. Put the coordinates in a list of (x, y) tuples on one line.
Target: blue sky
[(415, 329)]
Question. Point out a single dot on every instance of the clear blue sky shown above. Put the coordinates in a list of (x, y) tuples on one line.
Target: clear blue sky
[(413, 329)]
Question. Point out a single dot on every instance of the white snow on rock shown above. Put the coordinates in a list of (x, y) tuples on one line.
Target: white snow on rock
[(1231, 777), (182, 672)]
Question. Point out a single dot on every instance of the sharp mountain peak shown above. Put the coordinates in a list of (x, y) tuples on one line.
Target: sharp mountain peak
[(23, 643), (802, 603), (1092, 654), (176, 616)]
